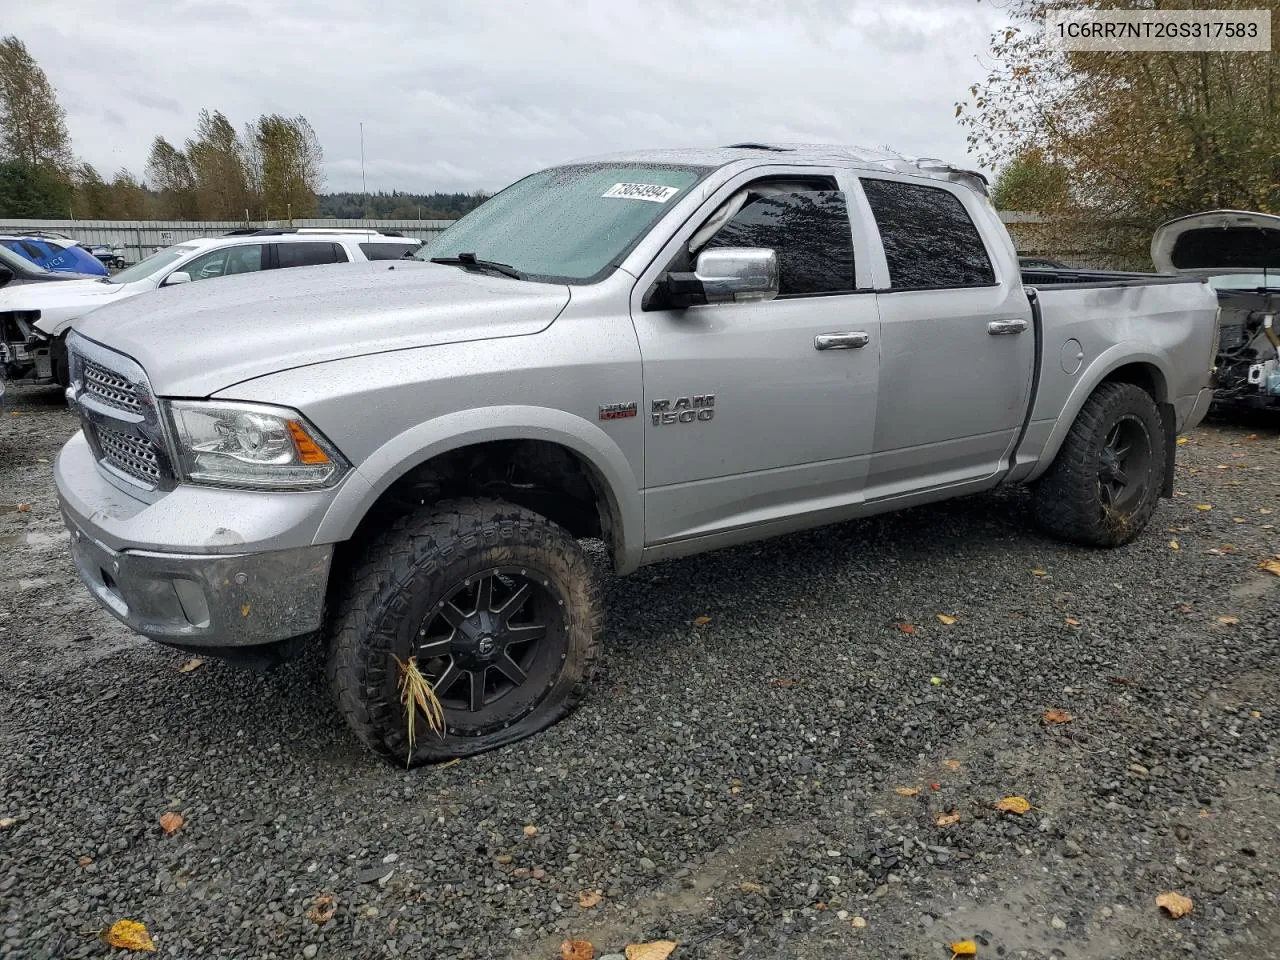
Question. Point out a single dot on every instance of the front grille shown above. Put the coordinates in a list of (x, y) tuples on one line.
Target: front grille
[(133, 455), (110, 388)]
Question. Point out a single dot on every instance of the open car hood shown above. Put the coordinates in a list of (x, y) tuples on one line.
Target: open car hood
[(1218, 240)]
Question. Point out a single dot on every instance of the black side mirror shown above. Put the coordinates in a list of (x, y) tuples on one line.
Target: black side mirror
[(5, 274)]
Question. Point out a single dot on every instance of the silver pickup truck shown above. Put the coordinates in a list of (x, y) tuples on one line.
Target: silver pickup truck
[(667, 351)]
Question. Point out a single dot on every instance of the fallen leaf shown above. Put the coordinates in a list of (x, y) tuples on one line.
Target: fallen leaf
[(1239, 520), (1040, 573), (1071, 622), (1256, 714), (1204, 507), (946, 619), (697, 622), (964, 948), (1183, 441), (1018, 805), (1173, 545), (1264, 510), (951, 764), (1223, 466), (323, 909), (195, 663), (1271, 566), (7, 822), (748, 887), (84, 861), (947, 819), (577, 950), (906, 627), (589, 898), (130, 935), (657, 950), (785, 682), (530, 830), (936, 681), (1228, 621), (171, 823), (1174, 904), (24, 508), (1185, 608), (859, 922), (1056, 716), (906, 791), (1123, 681)]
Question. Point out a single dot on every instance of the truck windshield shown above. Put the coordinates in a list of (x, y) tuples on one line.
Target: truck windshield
[(568, 224)]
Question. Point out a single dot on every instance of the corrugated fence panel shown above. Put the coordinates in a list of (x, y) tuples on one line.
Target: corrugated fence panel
[(136, 239)]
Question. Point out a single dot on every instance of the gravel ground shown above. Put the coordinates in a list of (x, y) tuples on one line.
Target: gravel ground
[(732, 786)]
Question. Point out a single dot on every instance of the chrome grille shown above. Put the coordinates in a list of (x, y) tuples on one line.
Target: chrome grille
[(134, 455), (110, 388)]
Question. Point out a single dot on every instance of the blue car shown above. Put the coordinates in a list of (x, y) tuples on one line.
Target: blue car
[(59, 255)]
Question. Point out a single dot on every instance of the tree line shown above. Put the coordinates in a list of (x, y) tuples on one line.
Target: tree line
[(273, 169), (1107, 146)]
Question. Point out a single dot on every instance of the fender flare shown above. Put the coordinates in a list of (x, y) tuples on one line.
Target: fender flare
[(464, 428), (1103, 366)]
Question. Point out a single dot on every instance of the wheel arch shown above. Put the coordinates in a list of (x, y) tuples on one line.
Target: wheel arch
[(538, 435), (1118, 365)]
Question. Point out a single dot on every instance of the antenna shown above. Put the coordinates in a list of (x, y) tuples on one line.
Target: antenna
[(364, 184)]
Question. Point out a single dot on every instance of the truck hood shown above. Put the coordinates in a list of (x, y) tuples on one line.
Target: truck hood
[(1218, 240), (90, 291), (198, 338)]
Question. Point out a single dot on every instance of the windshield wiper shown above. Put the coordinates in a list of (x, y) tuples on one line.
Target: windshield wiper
[(470, 260)]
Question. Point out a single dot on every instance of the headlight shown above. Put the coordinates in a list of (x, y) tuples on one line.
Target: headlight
[(250, 445)]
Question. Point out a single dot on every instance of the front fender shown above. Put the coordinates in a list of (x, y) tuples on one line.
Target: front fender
[(463, 428), (1103, 366)]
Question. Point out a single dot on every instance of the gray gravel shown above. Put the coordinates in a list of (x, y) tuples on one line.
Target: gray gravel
[(729, 786)]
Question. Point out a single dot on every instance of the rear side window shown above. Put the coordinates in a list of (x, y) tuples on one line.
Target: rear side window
[(388, 251), (809, 230), (929, 239), (309, 254)]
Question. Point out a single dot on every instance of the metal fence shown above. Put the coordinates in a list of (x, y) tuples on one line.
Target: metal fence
[(136, 239)]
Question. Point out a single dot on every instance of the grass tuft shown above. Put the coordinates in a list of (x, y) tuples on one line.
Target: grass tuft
[(417, 695)]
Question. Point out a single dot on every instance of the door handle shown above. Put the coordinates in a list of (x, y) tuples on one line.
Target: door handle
[(841, 341), (1003, 328)]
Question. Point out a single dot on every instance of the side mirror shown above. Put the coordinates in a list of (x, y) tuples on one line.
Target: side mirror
[(178, 276), (726, 275), (5, 275)]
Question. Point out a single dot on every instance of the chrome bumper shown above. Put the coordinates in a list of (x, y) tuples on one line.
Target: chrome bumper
[(207, 600)]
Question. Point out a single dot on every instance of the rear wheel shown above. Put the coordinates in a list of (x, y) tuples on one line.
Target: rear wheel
[(1105, 482), (498, 607)]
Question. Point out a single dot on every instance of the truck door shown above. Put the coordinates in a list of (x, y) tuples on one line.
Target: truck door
[(957, 340), (761, 412)]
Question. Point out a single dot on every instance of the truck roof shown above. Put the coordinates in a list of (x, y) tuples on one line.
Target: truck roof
[(860, 158)]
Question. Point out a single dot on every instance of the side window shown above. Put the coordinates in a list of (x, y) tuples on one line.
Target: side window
[(309, 254), (388, 251), (809, 230), (226, 262), (929, 239)]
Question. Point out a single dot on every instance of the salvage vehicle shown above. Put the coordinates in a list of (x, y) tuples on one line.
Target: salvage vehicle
[(55, 254), (39, 320), (668, 351), (1238, 252)]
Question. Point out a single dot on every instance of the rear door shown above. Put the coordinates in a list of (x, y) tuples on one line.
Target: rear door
[(957, 339), (748, 420)]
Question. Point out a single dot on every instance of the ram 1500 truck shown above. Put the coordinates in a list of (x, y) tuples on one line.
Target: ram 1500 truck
[(668, 351)]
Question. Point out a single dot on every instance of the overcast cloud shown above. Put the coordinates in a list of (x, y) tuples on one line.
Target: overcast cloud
[(467, 96)]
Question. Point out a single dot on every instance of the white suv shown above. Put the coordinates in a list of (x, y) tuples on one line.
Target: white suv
[(41, 317)]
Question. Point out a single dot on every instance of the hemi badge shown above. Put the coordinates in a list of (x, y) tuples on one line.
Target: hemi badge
[(617, 411)]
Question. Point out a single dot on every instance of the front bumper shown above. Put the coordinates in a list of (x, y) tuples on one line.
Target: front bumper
[(177, 572)]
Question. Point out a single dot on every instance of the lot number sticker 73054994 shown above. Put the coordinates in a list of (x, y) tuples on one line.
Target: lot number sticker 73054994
[(653, 192)]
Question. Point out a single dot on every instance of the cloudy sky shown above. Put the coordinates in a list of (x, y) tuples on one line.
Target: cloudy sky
[(470, 95)]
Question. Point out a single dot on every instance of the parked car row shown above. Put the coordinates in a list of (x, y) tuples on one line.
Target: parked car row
[(35, 317)]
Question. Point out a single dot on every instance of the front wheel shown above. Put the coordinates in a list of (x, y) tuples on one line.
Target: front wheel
[(500, 612), (1106, 480)]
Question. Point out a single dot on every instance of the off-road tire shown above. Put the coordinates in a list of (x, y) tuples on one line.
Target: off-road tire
[(405, 570), (1068, 501)]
